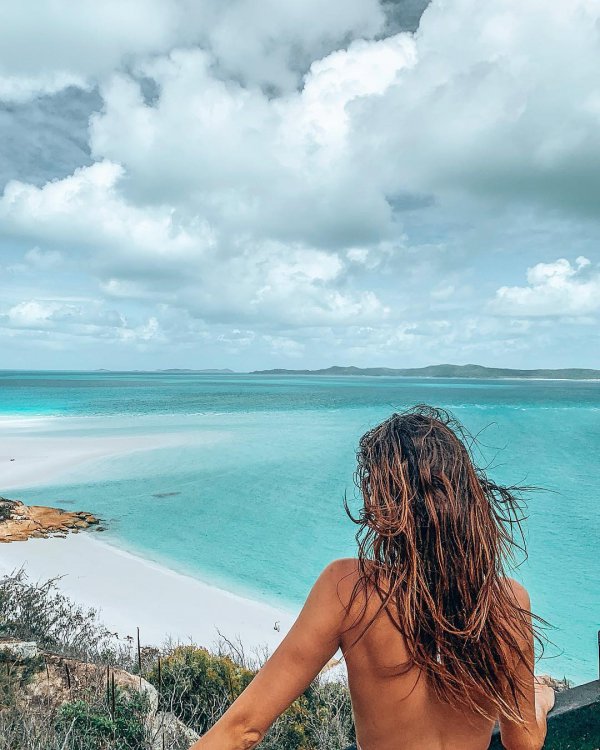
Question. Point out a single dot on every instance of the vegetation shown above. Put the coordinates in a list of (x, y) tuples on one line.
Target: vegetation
[(79, 692), (198, 687), (93, 724), (6, 509), (39, 612), (75, 706)]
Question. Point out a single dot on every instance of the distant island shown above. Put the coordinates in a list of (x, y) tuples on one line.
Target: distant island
[(170, 371), (210, 371), (445, 371), (431, 371)]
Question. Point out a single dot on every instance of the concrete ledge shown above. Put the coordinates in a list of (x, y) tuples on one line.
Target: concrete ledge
[(574, 722)]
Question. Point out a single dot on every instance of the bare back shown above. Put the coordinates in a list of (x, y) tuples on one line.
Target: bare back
[(391, 711), (394, 710)]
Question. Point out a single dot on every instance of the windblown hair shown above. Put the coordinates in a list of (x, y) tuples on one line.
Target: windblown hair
[(434, 539)]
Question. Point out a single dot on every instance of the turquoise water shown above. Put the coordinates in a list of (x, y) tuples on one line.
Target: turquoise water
[(252, 498)]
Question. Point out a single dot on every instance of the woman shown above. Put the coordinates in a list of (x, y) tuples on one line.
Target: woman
[(438, 642)]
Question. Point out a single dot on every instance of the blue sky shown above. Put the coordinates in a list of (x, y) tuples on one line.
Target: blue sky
[(286, 183)]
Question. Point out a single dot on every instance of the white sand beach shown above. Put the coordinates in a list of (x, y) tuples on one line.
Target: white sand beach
[(34, 461), (132, 592), (128, 590), (32, 455)]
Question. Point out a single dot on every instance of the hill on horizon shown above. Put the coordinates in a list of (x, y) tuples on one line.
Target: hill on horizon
[(445, 371)]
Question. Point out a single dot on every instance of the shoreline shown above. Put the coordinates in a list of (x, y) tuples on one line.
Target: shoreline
[(31, 457), (129, 592), (20, 522)]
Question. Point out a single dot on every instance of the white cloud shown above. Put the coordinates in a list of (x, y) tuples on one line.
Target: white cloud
[(85, 210), (57, 43), (270, 41), (145, 332), (279, 168), (60, 44), (502, 102), (91, 321), (150, 253), (270, 176), (17, 89), (318, 117), (220, 217), (558, 289), (32, 314), (286, 346)]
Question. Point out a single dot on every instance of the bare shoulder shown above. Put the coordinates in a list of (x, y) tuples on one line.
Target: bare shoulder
[(519, 592), (344, 566), (340, 570), (339, 578)]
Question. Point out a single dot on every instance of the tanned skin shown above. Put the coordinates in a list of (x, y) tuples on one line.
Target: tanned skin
[(391, 711)]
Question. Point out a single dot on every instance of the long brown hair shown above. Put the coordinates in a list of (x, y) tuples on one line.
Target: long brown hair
[(434, 539)]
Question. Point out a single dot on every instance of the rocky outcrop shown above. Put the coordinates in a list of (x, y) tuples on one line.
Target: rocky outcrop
[(556, 684), (18, 650), (19, 522), (54, 679)]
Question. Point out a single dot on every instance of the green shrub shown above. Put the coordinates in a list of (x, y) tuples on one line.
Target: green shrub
[(198, 686), (194, 684), (93, 727), (6, 510), (40, 612)]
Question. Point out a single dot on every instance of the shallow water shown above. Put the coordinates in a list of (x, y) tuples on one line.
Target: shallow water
[(253, 498)]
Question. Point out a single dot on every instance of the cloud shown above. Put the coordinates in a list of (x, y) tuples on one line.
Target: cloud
[(276, 168), (38, 259), (154, 254), (282, 179), (32, 314), (20, 89), (75, 321), (558, 289), (79, 42), (502, 103), (268, 42), (85, 211), (226, 218), (273, 42)]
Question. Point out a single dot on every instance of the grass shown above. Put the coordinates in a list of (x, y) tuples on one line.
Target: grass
[(193, 684)]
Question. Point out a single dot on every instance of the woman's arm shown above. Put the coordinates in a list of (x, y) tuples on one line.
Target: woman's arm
[(537, 699), (310, 644)]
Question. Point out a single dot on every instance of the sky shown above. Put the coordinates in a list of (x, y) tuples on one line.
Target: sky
[(291, 183)]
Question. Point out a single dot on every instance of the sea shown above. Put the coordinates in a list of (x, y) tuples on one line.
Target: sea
[(251, 495)]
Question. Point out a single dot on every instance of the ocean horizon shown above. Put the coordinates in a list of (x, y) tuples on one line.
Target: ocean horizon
[(226, 477)]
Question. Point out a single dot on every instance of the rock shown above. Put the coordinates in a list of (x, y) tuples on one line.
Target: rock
[(62, 679), (166, 729), (553, 682), (19, 650), (19, 522)]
